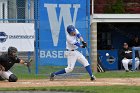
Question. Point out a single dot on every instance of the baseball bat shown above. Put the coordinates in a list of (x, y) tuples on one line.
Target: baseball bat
[(100, 68), (87, 53)]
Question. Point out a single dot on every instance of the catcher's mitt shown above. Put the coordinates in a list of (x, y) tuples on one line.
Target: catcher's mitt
[(2, 68), (28, 64)]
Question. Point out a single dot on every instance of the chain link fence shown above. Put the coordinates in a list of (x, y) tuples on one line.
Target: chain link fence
[(16, 11)]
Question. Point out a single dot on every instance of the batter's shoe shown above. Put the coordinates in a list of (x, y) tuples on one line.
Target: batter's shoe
[(93, 78), (52, 75)]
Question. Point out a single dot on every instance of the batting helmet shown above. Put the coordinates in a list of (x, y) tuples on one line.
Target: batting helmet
[(12, 50), (70, 29)]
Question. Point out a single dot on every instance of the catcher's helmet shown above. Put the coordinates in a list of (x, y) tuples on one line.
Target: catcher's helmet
[(70, 29), (12, 50)]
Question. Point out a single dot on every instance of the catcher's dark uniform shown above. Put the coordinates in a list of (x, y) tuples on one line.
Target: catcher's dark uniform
[(6, 62)]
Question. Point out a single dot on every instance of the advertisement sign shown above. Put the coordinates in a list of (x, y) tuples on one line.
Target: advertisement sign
[(19, 35), (109, 59)]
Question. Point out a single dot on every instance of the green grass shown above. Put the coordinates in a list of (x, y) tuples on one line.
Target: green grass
[(114, 74), (84, 89), (118, 74), (22, 72), (18, 68)]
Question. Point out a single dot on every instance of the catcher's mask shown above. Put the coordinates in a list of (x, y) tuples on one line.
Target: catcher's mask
[(12, 51)]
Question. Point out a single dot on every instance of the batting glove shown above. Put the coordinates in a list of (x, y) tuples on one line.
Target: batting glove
[(84, 44)]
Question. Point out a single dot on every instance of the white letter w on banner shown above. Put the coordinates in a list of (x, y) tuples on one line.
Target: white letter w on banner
[(65, 14)]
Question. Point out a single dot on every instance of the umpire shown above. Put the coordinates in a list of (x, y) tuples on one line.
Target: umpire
[(7, 61)]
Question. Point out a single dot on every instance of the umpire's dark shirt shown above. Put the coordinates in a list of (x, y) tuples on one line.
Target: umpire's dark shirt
[(7, 62)]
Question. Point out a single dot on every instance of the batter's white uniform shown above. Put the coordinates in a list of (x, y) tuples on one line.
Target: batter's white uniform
[(73, 54)]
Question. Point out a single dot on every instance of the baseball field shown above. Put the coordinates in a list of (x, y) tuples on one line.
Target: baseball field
[(108, 82)]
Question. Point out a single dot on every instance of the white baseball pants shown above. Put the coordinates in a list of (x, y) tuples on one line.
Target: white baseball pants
[(126, 62), (5, 74), (72, 57)]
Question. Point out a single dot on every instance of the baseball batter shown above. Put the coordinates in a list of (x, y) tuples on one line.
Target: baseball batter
[(7, 61), (72, 54)]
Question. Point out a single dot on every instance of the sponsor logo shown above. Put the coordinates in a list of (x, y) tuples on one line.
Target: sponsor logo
[(3, 37), (111, 59)]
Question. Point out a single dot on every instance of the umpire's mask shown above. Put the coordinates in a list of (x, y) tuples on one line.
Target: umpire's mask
[(12, 52)]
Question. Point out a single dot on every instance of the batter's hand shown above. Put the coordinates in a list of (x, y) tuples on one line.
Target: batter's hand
[(2, 68), (84, 44)]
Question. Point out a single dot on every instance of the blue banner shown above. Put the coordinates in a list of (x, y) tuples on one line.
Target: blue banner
[(55, 16)]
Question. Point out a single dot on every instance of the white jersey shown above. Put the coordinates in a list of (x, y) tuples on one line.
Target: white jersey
[(71, 40)]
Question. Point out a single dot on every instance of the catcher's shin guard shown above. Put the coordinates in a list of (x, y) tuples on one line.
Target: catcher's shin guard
[(12, 78)]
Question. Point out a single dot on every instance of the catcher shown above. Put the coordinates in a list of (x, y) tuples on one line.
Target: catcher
[(7, 61)]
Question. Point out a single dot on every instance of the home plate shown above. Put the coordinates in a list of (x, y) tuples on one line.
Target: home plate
[(24, 82)]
